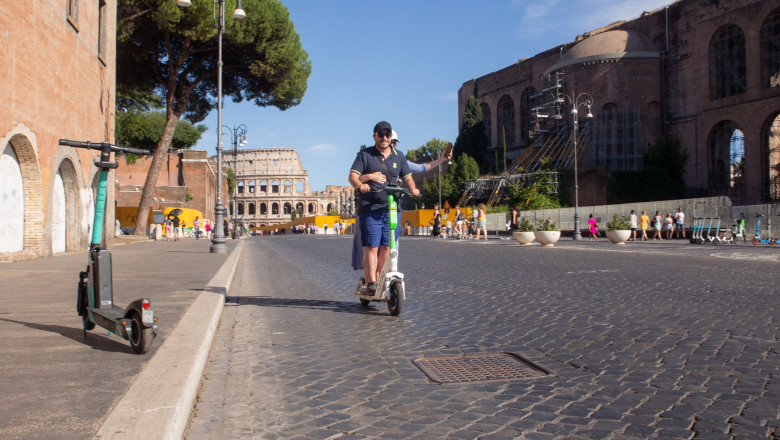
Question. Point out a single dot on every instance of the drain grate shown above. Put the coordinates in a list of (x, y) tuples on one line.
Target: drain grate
[(478, 368)]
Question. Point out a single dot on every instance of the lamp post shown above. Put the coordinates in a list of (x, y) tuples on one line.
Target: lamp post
[(582, 100), (218, 245), (238, 139)]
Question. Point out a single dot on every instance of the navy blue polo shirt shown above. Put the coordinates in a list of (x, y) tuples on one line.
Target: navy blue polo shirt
[(369, 161)]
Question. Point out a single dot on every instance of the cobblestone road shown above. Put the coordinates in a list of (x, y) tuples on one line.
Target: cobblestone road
[(647, 340)]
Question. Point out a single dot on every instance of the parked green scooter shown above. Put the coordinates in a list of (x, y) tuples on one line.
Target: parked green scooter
[(95, 304)]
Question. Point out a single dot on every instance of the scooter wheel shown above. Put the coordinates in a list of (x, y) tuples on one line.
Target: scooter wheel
[(140, 338), (395, 300), (81, 307), (756, 241)]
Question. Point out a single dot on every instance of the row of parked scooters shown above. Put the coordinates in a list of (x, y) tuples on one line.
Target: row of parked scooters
[(714, 236)]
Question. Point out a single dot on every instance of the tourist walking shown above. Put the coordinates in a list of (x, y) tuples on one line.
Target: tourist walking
[(679, 223), (593, 228), (632, 225), (644, 220), (658, 222)]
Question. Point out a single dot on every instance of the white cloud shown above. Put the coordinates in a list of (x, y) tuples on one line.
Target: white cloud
[(323, 148)]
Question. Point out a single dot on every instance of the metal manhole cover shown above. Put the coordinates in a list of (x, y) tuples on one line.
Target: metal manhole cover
[(478, 368)]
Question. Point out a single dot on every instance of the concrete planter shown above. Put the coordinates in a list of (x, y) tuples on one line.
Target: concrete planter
[(523, 238), (618, 237), (547, 238)]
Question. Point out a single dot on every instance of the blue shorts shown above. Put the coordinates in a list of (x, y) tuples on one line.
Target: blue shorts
[(375, 229), (679, 226)]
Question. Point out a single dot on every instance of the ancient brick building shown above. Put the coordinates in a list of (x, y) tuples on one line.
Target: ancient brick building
[(184, 172), (58, 79), (704, 72), (271, 182)]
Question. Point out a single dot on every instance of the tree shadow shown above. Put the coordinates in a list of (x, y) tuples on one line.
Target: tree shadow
[(95, 341)]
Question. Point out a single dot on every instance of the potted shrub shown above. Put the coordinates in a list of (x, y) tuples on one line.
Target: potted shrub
[(524, 232), (619, 229), (547, 233)]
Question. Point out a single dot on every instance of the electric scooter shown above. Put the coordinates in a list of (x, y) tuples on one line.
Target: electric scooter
[(738, 230), (94, 302), (757, 238), (390, 286), (696, 233)]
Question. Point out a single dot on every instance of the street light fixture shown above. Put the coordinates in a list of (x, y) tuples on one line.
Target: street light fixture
[(238, 139), (582, 100), (218, 245)]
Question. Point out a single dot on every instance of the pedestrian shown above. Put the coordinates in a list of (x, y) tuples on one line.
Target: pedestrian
[(373, 218), (593, 229), (481, 220), (460, 221), (208, 229), (196, 225), (474, 221), (644, 221), (176, 228), (658, 222), (632, 224), (408, 228), (168, 230), (435, 222), (449, 228), (679, 223), (668, 226), (325, 229)]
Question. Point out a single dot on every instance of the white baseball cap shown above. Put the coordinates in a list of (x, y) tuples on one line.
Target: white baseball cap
[(394, 136)]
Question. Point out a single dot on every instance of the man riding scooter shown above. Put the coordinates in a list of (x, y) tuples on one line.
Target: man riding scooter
[(372, 218)]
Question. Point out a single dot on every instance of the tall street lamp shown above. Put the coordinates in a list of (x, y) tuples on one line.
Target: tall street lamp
[(238, 138), (582, 100), (218, 245)]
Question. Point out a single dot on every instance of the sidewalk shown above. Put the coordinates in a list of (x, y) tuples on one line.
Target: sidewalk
[(56, 384)]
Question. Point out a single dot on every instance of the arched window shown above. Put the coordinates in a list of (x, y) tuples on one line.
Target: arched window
[(299, 208), (727, 155), (527, 103), (311, 208), (263, 186), (728, 75), (263, 209), (770, 50), (275, 209), (275, 186), (770, 157), (486, 120), (299, 186), (240, 208), (330, 207), (251, 187), (287, 208), (506, 122), (240, 186), (287, 187), (252, 209)]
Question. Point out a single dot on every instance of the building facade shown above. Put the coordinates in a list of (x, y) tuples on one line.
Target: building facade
[(58, 81), (271, 183), (705, 73)]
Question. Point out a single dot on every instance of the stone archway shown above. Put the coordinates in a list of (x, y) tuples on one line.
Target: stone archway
[(12, 199), (65, 208), (21, 141)]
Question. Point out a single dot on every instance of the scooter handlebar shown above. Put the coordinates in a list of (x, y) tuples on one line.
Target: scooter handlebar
[(101, 145), (393, 189)]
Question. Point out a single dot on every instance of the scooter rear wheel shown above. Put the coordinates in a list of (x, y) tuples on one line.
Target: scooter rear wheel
[(395, 300), (140, 338)]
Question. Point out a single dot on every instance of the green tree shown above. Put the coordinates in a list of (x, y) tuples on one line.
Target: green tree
[(472, 139), (143, 129), (428, 152), (171, 52), (536, 196)]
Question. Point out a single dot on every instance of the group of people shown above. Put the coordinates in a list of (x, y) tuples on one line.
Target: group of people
[(669, 226), (462, 229), (174, 228)]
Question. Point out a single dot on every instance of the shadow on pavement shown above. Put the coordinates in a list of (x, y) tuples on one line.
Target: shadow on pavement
[(265, 301), (93, 340)]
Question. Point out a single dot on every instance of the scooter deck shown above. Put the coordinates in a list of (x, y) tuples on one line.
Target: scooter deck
[(108, 318)]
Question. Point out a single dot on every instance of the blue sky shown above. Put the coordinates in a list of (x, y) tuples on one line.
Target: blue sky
[(402, 61)]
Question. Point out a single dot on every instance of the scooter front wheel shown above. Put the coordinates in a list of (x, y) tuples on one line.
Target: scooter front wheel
[(395, 300), (81, 307), (140, 337)]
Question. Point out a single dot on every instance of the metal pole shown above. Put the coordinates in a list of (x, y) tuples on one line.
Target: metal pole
[(438, 155), (218, 245), (577, 234)]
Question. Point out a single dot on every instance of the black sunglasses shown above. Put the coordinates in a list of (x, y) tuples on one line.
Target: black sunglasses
[(383, 134)]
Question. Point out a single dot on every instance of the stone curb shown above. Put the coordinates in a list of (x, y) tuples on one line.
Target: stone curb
[(159, 401)]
